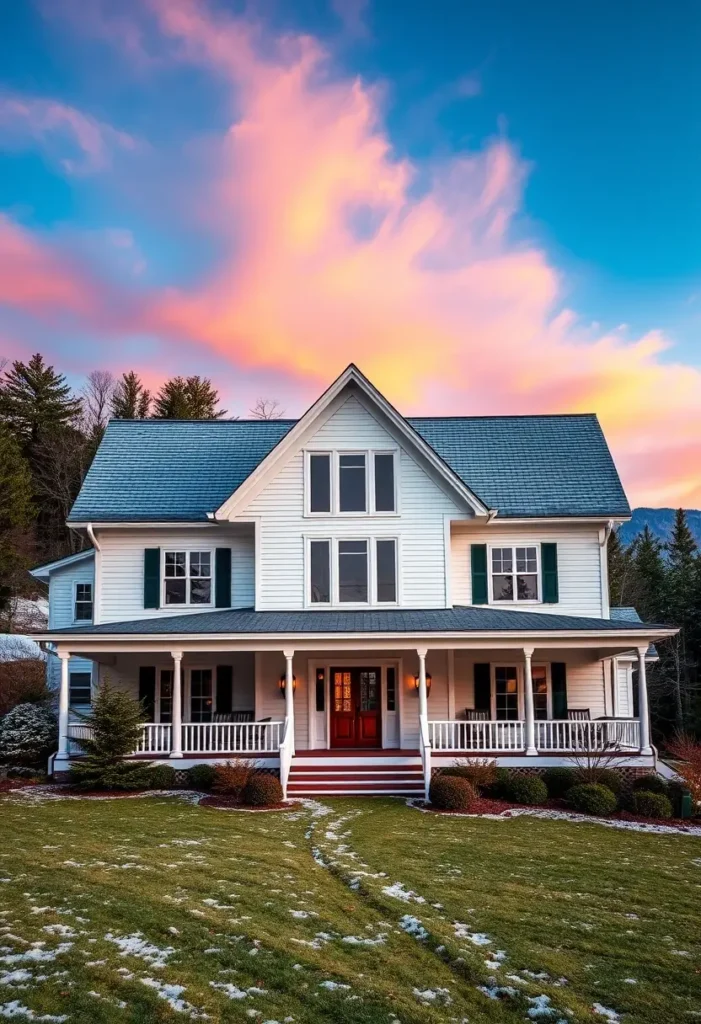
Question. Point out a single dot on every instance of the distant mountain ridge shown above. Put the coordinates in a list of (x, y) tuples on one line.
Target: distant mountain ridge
[(660, 521)]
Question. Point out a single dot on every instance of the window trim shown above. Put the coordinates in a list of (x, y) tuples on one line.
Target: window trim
[(333, 542), (520, 688), (83, 583), (198, 667), (80, 672), (490, 574), (212, 577), (334, 455)]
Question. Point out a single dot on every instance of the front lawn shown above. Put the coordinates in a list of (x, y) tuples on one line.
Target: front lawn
[(351, 910)]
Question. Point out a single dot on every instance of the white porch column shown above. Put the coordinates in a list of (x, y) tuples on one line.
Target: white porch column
[(528, 702), (423, 695), (62, 754), (176, 728), (290, 694), (614, 689), (643, 709)]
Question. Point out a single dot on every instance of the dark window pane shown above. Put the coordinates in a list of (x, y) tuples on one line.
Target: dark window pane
[(175, 591), (79, 688), (83, 602), (369, 690), (384, 482), (319, 569), (320, 689), (351, 470), (175, 563), (527, 588), (506, 693), (166, 694), (391, 689), (540, 692), (319, 483), (386, 570), (201, 563), (503, 587), (201, 695), (353, 570), (200, 591)]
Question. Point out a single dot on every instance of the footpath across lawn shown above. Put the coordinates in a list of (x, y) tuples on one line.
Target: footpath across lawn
[(347, 910)]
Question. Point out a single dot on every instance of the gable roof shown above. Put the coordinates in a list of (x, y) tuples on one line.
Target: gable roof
[(185, 470), (42, 572)]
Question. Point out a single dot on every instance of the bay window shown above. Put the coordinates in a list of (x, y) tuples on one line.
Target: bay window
[(351, 483), (357, 571), (515, 574), (187, 577)]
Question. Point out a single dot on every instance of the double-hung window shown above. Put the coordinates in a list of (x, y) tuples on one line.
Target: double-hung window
[(353, 571), (351, 483), (187, 577), (515, 574), (79, 689), (82, 608)]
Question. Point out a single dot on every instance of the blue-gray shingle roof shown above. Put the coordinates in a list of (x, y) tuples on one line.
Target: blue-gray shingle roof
[(523, 466), (439, 620)]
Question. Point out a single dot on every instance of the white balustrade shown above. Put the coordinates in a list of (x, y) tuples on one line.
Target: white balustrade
[(197, 737), (231, 737), (559, 735)]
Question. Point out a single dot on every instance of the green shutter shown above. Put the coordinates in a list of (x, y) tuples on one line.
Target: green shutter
[(558, 677), (152, 578), (478, 558), (222, 580), (225, 680), (147, 691), (483, 687), (548, 558)]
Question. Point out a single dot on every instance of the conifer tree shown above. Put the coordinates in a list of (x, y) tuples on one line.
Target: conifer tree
[(649, 567), (34, 398), (116, 722), (620, 569), (193, 398), (16, 511), (130, 399)]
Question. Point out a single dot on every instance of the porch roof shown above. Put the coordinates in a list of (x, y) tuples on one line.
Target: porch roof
[(459, 619)]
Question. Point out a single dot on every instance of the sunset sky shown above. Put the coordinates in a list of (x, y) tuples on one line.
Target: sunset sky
[(489, 207)]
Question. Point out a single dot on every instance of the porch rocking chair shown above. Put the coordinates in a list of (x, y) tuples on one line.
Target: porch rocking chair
[(579, 714), (476, 716)]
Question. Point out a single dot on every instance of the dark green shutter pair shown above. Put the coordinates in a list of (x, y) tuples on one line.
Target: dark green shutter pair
[(152, 578), (548, 558), (558, 678), (147, 690)]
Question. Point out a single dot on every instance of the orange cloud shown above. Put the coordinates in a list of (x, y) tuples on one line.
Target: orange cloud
[(336, 250)]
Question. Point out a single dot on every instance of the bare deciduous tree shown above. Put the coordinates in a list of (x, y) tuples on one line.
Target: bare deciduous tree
[(97, 398), (267, 409)]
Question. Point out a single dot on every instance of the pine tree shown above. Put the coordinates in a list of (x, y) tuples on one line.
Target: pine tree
[(680, 609), (116, 722), (182, 398), (649, 572), (130, 399), (620, 570), (16, 512), (34, 398)]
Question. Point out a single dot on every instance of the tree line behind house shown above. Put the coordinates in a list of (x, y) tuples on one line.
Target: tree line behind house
[(49, 434)]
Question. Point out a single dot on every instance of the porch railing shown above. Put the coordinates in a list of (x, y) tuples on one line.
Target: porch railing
[(197, 737), (559, 735)]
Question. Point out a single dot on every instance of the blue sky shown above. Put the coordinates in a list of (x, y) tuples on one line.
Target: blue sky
[(556, 144)]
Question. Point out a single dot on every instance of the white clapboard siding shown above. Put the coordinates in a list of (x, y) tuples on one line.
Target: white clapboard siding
[(61, 612), (423, 504), (124, 673), (437, 667), (585, 677), (270, 703), (122, 567), (578, 561), (624, 681)]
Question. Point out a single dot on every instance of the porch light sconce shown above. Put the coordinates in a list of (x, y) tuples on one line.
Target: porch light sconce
[(283, 682), (429, 680)]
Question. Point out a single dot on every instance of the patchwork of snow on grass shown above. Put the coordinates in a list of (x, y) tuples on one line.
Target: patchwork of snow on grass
[(171, 994), (412, 926), (18, 1011), (136, 945)]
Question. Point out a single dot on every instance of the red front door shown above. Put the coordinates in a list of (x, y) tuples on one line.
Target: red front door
[(356, 707)]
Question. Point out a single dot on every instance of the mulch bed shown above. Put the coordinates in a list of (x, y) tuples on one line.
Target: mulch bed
[(487, 806), (7, 784)]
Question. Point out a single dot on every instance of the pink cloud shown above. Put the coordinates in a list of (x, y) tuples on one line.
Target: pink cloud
[(80, 143), (334, 249)]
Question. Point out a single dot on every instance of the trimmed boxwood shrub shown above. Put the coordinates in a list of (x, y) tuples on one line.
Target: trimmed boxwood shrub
[(652, 784), (262, 790), (559, 780), (650, 805), (201, 776), (162, 777), (612, 779), (501, 781), (452, 793), (526, 789), (592, 798)]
